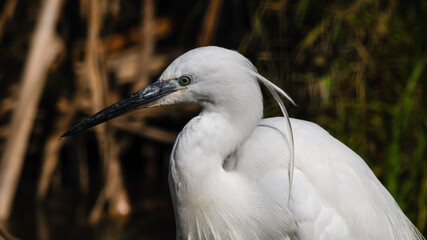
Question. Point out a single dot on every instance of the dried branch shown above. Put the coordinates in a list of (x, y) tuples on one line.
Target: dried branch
[(8, 10), (138, 127), (115, 191), (42, 227), (209, 23), (114, 186), (147, 43), (97, 89), (6, 236), (53, 147), (126, 66), (44, 48)]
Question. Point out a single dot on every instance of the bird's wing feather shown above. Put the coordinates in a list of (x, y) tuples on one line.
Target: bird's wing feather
[(334, 193)]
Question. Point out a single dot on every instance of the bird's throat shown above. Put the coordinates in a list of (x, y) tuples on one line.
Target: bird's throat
[(207, 140)]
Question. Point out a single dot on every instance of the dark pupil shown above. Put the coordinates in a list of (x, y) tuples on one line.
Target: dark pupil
[(185, 80)]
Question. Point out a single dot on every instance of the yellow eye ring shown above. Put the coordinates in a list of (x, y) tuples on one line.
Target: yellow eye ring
[(184, 80)]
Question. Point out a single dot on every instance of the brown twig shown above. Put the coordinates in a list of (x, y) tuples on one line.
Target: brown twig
[(147, 43), (42, 227), (53, 146), (137, 127), (116, 193), (209, 23), (126, 66), (6, 236), (8, 10), (97, 90), (113, 185), (44, 48)]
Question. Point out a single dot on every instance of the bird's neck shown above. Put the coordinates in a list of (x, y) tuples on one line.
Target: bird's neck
[(198, 181), (208, 139)]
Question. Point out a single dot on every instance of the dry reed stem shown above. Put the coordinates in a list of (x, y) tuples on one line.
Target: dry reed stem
[(97, 90), (53, 146), (210, 23), (96, 212), (141, 129), (113, 185), (116, 193), (119, 41), (147, 45), (84, 178), (43, 50), (42, 223), (8, 11), (6, 236), (126, 65)]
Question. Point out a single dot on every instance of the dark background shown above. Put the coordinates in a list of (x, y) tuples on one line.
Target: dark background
[(356, 68)]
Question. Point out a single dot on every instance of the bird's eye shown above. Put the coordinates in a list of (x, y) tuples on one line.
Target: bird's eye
[(184, 80)]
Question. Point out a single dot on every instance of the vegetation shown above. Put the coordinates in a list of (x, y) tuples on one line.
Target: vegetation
[(356, 67)]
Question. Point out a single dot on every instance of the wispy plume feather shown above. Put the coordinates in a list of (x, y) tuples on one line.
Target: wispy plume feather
[(275, 91)]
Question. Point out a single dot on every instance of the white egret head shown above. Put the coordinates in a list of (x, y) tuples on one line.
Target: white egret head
[(213, 77), (219, 79)]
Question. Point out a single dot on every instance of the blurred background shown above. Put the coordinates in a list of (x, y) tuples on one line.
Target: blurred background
[(356, 67)]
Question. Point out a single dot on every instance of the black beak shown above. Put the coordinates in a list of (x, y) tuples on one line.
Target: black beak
[(144, 98)]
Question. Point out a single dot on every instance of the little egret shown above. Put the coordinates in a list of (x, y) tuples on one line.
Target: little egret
[(234, 175)]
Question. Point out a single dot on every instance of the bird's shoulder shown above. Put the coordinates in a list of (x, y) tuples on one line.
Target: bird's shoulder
[(264, 159), (269, 145), (334, 191)]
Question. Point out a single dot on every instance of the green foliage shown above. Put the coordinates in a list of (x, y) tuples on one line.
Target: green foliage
[(358, 68)]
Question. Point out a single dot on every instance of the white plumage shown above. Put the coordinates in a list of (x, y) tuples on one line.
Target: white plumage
[(230, 169)]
